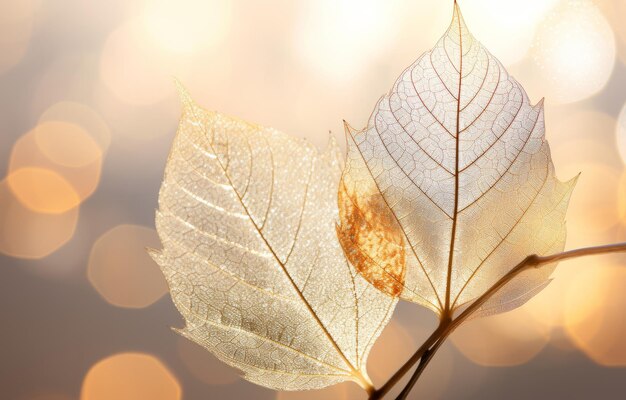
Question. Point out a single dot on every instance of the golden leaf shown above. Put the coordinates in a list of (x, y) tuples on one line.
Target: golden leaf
[(247, 221), (457, 155)]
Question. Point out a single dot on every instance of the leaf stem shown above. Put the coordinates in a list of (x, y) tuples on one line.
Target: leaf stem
[(378, 394), (427, 350)]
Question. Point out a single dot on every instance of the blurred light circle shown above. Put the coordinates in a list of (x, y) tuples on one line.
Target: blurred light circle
[(575, 52), (508, 339), (594, 313), (67, 144), (614, 11), (130, 376), (133, 70), (16, 25), (186, 26), (28, 152), (506, 28), (43, 190), (121, 270), (620, 133), (204, 365), (337, 37), (82, 116), (28, 234)]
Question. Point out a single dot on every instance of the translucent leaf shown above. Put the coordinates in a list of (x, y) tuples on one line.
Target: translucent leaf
[(453, 177), (247, 221)]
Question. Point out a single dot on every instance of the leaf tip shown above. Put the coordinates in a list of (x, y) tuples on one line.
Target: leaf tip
[(540, 103), (458, 24), (183, 94), (574, 180), (348, 128), (331, 142)]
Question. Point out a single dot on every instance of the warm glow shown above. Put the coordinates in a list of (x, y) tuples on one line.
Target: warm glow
[(594, 313), (134, 70), (43, 190), (506, 28), (614, 11), (130, 376), (204, 365), (336, 38), (28, 234), (512, 338), (575, 52), (67, 144), (16, 25), (121, 270), (186, 26), (82, 116), (391, 352), (31, 152)]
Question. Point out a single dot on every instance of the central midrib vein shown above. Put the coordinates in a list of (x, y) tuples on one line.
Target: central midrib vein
[(354, 371), (447, 310)]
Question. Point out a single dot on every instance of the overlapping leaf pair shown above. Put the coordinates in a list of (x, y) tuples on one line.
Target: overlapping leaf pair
[(449, 185)]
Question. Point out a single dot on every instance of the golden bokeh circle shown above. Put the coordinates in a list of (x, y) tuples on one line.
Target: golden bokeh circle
[(25, 233), (27, 153), (67, 144), (121, 270), (574, 51), (80, 115), (130, 376), (43, 190)]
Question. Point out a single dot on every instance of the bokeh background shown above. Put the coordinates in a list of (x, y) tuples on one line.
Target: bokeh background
[(88, 110)]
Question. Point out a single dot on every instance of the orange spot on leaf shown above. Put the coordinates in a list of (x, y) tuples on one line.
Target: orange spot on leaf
[(372, 239)]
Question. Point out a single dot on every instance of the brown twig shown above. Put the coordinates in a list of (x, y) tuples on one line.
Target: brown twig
[(378, 394), (427, 351)]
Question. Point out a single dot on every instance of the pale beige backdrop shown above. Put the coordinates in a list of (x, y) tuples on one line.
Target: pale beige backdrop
[(88, 110)]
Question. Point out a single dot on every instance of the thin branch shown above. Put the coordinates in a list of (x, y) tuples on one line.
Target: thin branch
[(427, 351), (378, 394), (428, 355)]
